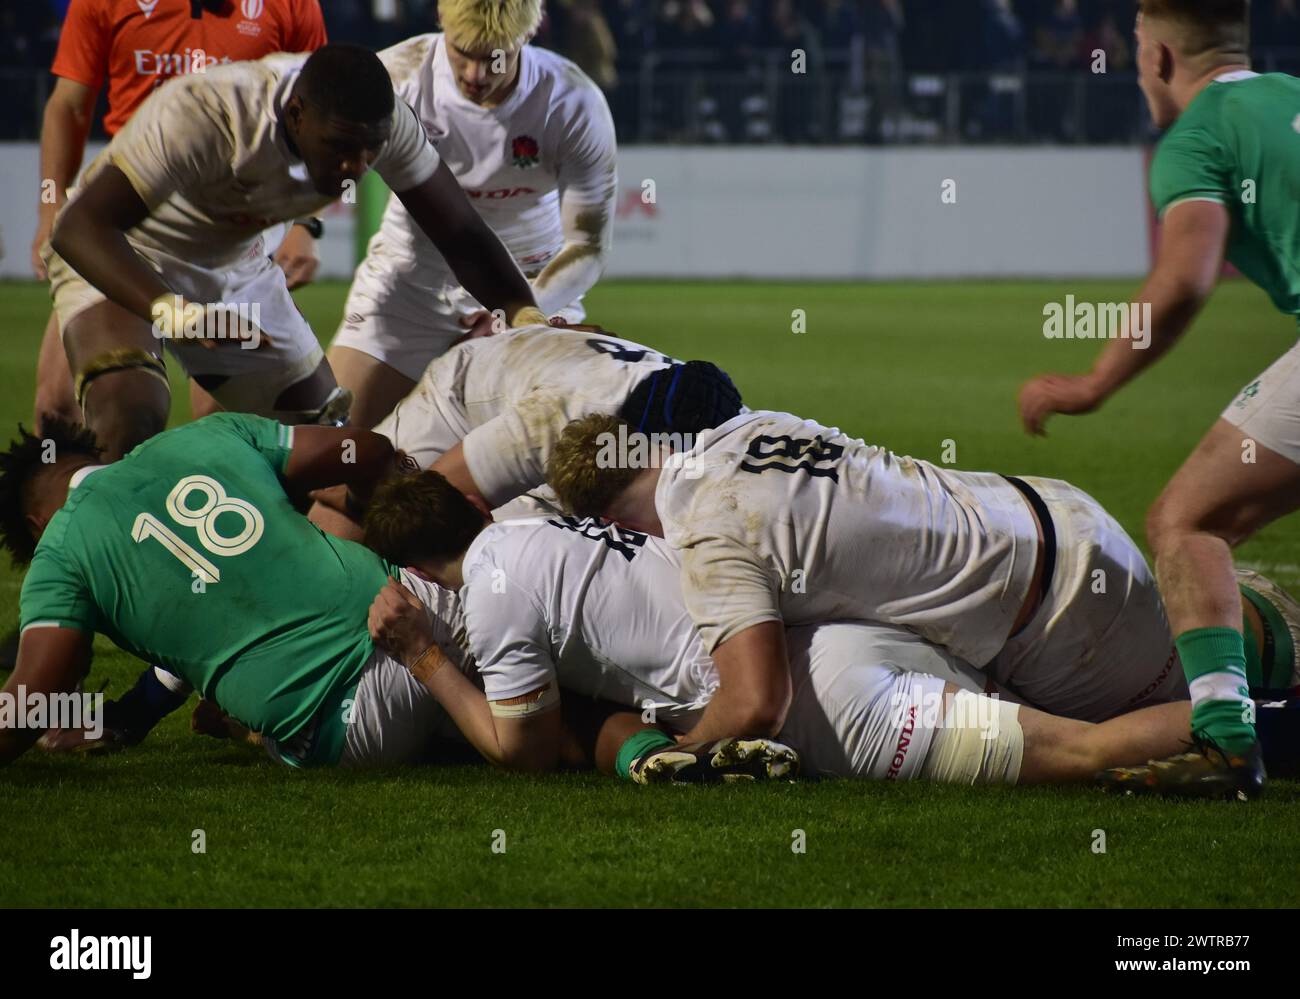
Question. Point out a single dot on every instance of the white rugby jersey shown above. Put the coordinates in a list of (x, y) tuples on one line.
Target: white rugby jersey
[(207, 154), (777, 518), (509, 397), (540, 168), (592, 607)]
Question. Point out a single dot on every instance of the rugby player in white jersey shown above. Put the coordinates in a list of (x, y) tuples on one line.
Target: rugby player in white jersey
[(530, 139), (173, 211), (781, 521), (488, 412), (558, 603)]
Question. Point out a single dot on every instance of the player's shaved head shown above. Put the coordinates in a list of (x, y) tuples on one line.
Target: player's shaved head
[(1214, 30), (586, 483), (339, 115), (415, 520), (21, 468), (484, 26), (347, 82)]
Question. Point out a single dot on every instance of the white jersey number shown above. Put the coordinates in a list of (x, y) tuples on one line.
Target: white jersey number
[(203, 519)]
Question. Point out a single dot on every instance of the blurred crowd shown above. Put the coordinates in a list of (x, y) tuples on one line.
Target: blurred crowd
[(652, 55)]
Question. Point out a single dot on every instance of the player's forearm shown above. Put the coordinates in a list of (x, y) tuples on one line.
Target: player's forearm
[(466, 704), (453, 467), (588, 224), (1173, 305), (63, 144), (485, 268), (571, 274), (732, 712), (103, 256)]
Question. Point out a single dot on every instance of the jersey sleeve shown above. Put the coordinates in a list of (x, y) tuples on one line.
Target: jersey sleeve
[(508, 637), (172, 143), (507, 454), (274, 441), (307, 29), (408, 158), (588, 184), (1190, 164), (727, 589), (55, 594), (83, 52)]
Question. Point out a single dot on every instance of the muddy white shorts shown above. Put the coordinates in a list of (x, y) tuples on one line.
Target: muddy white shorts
[(868, 703), (407, 314), (1100, 644)]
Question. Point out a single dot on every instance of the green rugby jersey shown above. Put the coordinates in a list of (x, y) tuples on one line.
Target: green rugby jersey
[(1238, 143), (189, 554)]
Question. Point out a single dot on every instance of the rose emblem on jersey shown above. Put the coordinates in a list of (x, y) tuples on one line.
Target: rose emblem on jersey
[(525, 151)]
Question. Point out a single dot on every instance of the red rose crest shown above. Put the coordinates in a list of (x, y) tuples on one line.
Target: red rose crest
[(525, 151)]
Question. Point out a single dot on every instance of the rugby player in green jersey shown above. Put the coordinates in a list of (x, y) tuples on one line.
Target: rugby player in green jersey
[(190, 553), (1224, 180)]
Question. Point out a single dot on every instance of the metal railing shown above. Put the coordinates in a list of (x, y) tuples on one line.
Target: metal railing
[(698, 97)]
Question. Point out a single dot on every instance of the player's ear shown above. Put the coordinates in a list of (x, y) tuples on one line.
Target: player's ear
[(293, 110), (36, 524), (1166, 71)]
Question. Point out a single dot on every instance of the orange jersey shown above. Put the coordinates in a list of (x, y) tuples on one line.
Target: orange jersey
[(137, 44)]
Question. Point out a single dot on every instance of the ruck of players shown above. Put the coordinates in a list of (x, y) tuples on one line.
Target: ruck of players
[(481, 521)]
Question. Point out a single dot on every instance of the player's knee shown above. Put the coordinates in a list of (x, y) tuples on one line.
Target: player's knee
[(1167, 520), (1173, 517), (980, 741)]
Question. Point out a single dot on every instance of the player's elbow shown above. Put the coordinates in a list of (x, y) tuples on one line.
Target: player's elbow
[(71, 230)]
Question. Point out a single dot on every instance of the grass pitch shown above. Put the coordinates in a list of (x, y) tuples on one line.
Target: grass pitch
[(911, 366)]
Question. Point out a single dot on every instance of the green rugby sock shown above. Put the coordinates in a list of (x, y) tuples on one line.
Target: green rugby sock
[(1214, 661), (645, 741)]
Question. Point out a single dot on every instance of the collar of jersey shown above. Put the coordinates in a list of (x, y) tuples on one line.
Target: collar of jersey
[(81, 474), (1236, 75), (475, 547)]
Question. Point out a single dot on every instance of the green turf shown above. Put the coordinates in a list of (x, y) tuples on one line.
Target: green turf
[(907, 365)]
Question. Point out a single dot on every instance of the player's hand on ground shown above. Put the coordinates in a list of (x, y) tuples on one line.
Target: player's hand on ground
[(1045, 395), (208, 719), (400, 623), (82, 740), (297, 257)]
